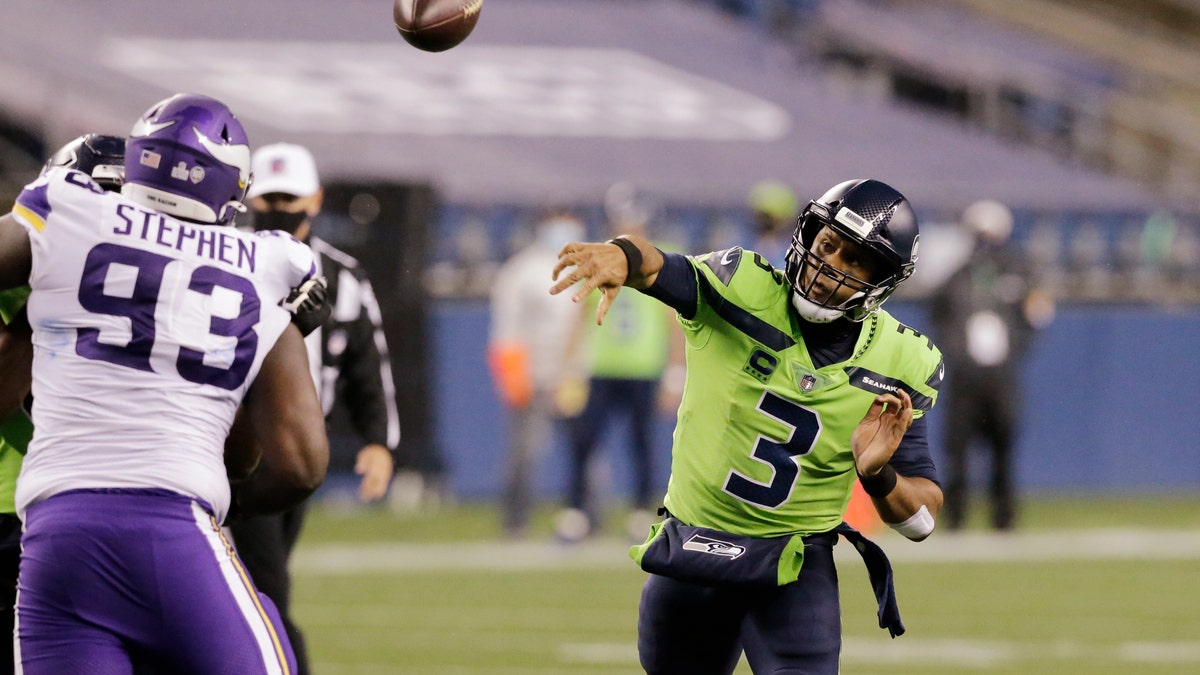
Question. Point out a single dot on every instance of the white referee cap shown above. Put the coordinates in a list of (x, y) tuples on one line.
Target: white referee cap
[(283, 167)]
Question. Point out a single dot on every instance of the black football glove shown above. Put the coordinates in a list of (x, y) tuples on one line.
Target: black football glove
[(309, 304)]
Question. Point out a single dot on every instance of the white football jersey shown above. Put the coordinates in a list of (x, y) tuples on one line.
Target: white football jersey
[(147, 331)]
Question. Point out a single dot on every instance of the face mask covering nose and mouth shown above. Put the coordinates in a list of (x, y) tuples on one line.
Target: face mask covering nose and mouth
[(286, 221)]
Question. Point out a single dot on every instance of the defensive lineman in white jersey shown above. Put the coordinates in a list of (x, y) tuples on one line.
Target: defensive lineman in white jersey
[(151, 324), (156, 296)]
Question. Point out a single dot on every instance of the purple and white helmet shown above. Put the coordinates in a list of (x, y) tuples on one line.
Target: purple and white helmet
[(188, 157)]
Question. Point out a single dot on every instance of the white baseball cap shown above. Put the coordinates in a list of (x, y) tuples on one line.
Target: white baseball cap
[(283, 167)]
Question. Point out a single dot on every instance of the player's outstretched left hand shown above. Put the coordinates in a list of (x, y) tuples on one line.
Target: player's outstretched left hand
[(601, 266), (878, 435)]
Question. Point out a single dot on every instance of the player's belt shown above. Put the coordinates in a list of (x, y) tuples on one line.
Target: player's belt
[(707, 556)]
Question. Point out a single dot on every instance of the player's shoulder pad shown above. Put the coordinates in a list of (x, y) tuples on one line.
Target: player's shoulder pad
[(65, 178), (298, 261), (722, 264), (741, 276), (58, 188), (920, 353), (32, 205)]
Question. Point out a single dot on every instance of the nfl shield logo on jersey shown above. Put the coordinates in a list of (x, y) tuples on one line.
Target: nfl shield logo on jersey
[(808, 382)]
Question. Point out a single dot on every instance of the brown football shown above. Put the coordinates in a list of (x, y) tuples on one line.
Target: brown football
[(435, 25)]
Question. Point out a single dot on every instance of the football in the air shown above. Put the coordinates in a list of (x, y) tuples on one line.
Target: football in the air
[(436, 25)]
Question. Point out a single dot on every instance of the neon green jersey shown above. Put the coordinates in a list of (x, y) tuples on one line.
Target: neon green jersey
[(15, 431), (762, 443), (633, 342), (11, 301)]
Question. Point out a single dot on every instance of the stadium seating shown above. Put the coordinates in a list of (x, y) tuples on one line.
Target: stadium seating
[(1111, 84)]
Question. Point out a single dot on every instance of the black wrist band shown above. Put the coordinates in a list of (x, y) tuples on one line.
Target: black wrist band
[(881, 484), (633, 256)]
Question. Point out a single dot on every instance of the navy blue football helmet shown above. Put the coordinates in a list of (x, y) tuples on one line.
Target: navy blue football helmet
[(188, 157), (98, 155), (873, 215)]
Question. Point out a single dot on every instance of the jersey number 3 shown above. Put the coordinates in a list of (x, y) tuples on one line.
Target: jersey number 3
[(140, 305), (805, 426)]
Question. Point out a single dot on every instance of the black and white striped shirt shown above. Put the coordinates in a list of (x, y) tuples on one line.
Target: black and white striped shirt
[(352, 365)]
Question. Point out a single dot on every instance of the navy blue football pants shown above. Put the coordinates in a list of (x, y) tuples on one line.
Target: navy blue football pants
[(608, 399), (693, 629)]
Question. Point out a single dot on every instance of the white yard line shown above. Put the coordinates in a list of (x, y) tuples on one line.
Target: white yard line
[(966, 655), (1100, 544), (352, 559), (1159, 652), (986, 654)]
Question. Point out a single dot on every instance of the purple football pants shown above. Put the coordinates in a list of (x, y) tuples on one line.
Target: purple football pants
[(117, 580)]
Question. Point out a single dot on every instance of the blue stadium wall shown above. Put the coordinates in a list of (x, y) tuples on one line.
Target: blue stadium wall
[(1110, 405)]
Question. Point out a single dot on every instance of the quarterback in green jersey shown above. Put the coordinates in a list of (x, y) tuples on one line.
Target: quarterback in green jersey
[(797, 382)]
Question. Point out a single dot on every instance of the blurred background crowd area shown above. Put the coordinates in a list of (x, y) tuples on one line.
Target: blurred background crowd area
[(1086, 257), (1112, 84)]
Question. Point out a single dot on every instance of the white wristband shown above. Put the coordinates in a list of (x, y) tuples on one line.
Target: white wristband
[(919, 526)]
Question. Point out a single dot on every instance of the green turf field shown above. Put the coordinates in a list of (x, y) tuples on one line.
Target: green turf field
[(1085, 586)]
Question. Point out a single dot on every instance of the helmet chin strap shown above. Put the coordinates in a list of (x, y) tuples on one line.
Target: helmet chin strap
[(812, 312)]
